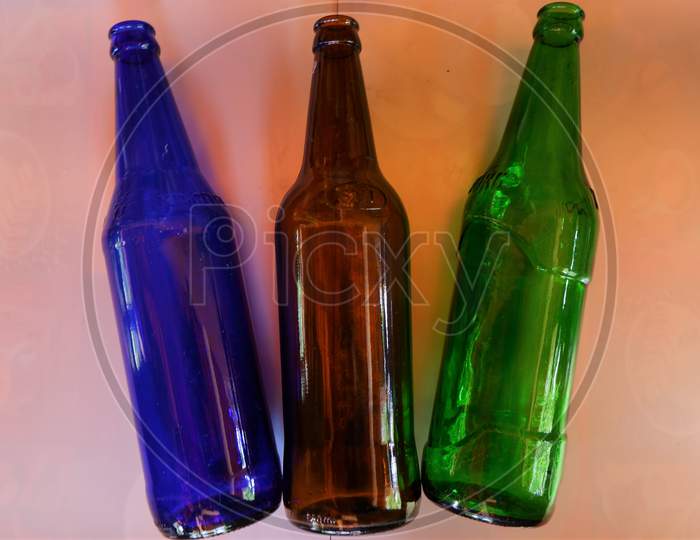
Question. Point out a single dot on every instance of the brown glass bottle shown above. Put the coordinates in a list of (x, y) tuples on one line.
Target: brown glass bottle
[(350, 463)]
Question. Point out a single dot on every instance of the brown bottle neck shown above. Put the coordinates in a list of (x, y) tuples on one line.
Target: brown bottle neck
[(339, 132)]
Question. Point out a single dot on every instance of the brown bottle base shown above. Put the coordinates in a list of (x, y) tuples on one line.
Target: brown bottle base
[(350, 516)]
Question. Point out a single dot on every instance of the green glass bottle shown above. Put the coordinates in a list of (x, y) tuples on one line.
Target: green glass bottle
[(497, 436)]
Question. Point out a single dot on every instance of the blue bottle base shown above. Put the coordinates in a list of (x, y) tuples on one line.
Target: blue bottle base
[(214, 516)]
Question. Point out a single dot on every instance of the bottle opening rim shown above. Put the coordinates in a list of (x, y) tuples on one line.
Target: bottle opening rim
[(559, 24), (336, 21), (563, 11), (132, 39), (337, 34), (131, 26)]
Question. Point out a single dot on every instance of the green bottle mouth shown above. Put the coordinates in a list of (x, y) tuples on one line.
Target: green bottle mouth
[(559, 24)]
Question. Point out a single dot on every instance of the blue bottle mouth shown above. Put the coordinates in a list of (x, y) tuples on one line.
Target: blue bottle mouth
[(132, 38)]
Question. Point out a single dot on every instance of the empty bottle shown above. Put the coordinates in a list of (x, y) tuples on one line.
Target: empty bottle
[(497, 437), (207, 448), (350, 463)]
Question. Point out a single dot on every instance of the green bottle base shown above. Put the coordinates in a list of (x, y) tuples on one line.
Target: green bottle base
[(496, 476), (479, 510)]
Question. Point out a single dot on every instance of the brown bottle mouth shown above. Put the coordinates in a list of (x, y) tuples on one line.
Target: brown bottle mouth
[(336, 21), (337, 33)]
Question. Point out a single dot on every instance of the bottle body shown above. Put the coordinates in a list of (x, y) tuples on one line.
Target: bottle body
[(342, 243), (498, 431), (350, 463), (207, 449), (497, 436)]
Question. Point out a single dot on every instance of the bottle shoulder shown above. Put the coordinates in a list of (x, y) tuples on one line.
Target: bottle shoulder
[(555, 219), (162, 200), (510, 195), (349, 198)]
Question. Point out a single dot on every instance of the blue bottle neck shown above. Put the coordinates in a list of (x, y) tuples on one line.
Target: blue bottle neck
[(150, 134)]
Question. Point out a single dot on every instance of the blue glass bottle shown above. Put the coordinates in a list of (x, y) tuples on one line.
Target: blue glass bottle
[(207, 447)]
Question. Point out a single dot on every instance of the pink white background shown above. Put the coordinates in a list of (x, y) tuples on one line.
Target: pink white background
[(69, 465)]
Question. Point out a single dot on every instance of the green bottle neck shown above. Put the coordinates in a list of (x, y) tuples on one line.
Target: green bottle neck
[(545, 119)]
